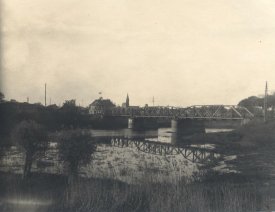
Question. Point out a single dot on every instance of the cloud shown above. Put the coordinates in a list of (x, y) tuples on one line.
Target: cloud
[(182, 52)]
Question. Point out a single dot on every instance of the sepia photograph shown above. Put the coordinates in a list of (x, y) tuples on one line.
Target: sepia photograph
[(137, 106)]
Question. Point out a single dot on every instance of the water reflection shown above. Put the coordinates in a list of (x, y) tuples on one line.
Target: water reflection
[(164, 135), (129, 133)]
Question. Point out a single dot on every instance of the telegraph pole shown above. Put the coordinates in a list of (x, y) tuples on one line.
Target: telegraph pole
[(45, 94), (265, 102)]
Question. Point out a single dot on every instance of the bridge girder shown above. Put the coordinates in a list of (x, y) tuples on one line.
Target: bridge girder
[(192, 112)]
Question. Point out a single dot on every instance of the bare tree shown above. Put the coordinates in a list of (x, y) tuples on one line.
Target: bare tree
[(32, 138), (75, 148)]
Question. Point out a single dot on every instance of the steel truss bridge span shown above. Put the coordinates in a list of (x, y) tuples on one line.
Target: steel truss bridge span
[(194, 154), (222, 112)]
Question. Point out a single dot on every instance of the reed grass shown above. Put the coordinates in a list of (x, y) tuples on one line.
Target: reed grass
[(152, 196), (148, 195)]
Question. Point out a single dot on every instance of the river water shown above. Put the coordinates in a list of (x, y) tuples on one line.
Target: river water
[(132, 156), (164, 135)]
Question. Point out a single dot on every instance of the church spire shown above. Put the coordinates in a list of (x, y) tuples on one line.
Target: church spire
[(127, 101)]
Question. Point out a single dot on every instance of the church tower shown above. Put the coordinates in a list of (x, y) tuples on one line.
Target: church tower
[(127, 103)]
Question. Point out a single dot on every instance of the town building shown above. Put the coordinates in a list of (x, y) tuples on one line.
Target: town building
[(101, 106)]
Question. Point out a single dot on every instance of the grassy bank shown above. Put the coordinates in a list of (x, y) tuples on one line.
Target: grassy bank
[(254, 134), (51, 193), (254, 145)]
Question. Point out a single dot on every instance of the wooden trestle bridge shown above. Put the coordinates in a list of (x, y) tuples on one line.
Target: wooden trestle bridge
[(222, 112), (194, 154)]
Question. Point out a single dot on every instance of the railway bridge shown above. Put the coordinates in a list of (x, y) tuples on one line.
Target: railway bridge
[(184, 120)]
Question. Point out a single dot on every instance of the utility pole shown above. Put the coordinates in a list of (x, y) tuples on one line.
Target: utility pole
[(153, 101), (45, 94), (265, 102)]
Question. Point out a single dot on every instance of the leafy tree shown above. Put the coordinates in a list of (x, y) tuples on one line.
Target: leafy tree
[(2, 125), (32, 138), (251, 101), (75, 148), (255, 104), (69, 114), (69, 104), (2, 97), (4, 146)]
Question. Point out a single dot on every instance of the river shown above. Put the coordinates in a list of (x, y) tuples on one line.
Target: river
[(132, 156)]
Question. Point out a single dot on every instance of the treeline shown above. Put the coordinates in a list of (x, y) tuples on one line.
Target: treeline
[(256, 104), (29, 127), (69, 116)]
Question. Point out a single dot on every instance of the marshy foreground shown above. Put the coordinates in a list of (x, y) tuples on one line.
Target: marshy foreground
[(247, 186), (52, 193)]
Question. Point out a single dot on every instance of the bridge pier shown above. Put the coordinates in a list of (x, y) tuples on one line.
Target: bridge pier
[(187, 126), (140, 123), (131, 123)]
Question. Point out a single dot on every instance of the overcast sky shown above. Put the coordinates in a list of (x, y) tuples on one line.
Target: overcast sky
[(182, 52)]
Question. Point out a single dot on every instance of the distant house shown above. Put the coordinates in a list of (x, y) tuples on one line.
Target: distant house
[(101, 106)]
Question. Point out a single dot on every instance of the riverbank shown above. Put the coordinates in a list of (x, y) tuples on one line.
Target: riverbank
[(253, 144)]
